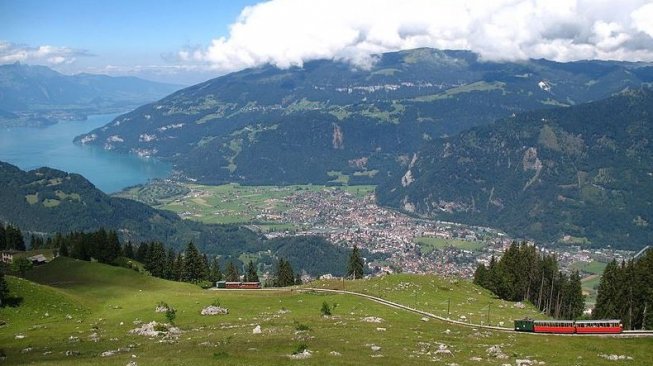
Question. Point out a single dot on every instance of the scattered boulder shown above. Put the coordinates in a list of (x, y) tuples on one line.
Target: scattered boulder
[(26, 350), (372, 319), (257, 330), (334, 353), (20, 336), (132, 363), (214, 310), (476, 359), (107, 353), (496, 352), (380, 329), (523, 362), (154, 329), (615, 357), (425, 319), (72, 353), (519, 305), (443, 350), (301, 355), (375, 348)]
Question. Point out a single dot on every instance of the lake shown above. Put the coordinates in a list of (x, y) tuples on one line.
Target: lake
[(52, 146)]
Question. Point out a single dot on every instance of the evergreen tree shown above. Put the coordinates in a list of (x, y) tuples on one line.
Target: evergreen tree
[(284, 275), (193, 269), (251, 275), (169, 273), (4, 288), (3, 240), (14, 238), (232, 274), (63, 249), (141, 252), (178, 268), (215, 273), (355, 265), (129, 250), (156, 260), (608, 292)]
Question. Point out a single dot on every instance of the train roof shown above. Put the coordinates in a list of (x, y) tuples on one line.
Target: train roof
[(598, 321)]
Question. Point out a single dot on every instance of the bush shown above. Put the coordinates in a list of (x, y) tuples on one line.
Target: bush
[(171, 314), (302, 327), (300, 348), (216, 302), (326, 309)]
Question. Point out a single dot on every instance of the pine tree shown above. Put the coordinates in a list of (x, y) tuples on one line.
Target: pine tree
[(215, 273), (355, 265), (608, 292), (251, 275), (232, 273), (3, 240), (141, 252), (129, 250), (169, 273), (156, 260), (4, 288), (178, 268), (63, 249), (193, 269), (284, 275)]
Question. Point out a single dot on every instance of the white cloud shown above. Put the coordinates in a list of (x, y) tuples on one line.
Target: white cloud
[(46, 54), (290, 32)]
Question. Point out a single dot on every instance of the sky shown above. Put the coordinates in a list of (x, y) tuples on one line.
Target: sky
[(186, 42)]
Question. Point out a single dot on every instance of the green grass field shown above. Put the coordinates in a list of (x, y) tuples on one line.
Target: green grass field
[(85, 309), (233, 203), (590, 277), (429, 244)]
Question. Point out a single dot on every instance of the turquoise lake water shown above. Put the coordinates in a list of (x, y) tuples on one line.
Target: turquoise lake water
[(31, 148)]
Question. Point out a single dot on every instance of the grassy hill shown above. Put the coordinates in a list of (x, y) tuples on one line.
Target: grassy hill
[(91, 308)]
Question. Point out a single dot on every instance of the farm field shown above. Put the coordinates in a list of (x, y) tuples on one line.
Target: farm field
[(590, 277), (81, 313), (429, 244), (230, 203)]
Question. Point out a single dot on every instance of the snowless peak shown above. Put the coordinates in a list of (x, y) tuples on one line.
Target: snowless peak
[(544, 86)]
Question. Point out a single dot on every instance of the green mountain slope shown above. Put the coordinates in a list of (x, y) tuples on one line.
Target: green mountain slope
[(48, 201), (566, 174), (272, 126), (37, 95)]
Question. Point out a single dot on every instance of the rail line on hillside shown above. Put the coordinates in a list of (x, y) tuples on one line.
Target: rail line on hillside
[(626, 333), (392, 304)]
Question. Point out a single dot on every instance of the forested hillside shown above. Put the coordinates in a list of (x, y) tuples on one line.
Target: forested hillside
[(329, 122), (573, 175)]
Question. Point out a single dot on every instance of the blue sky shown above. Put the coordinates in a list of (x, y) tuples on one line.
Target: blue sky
[(119, 32), (187, 42)]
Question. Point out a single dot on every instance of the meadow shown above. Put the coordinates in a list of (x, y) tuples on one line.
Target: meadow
[(81, 313)]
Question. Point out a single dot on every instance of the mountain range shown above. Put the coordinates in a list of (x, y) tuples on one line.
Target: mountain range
[(570, 175), (331, 123), (33, 95)]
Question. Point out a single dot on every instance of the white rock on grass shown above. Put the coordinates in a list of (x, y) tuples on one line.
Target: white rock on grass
[(257, 330), (496, 352), (372, 319), (375, 348), (523, 362), (301, 355), (334, 353), (214, 310), (443, 350)]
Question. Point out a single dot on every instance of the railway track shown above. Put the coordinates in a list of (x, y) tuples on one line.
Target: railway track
[(626, 333)]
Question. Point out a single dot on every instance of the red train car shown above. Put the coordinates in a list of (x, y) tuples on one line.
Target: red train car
[(599, 326), (554, 326)]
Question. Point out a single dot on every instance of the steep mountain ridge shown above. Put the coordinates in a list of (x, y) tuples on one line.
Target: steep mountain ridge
[(330, 122), (570, 175)]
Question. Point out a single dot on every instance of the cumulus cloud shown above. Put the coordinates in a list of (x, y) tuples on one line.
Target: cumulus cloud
[(290, 32), (46, 54)]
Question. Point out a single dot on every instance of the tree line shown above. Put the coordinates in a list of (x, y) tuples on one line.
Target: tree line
[(11, 238), (522, 274), (626, 292)]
